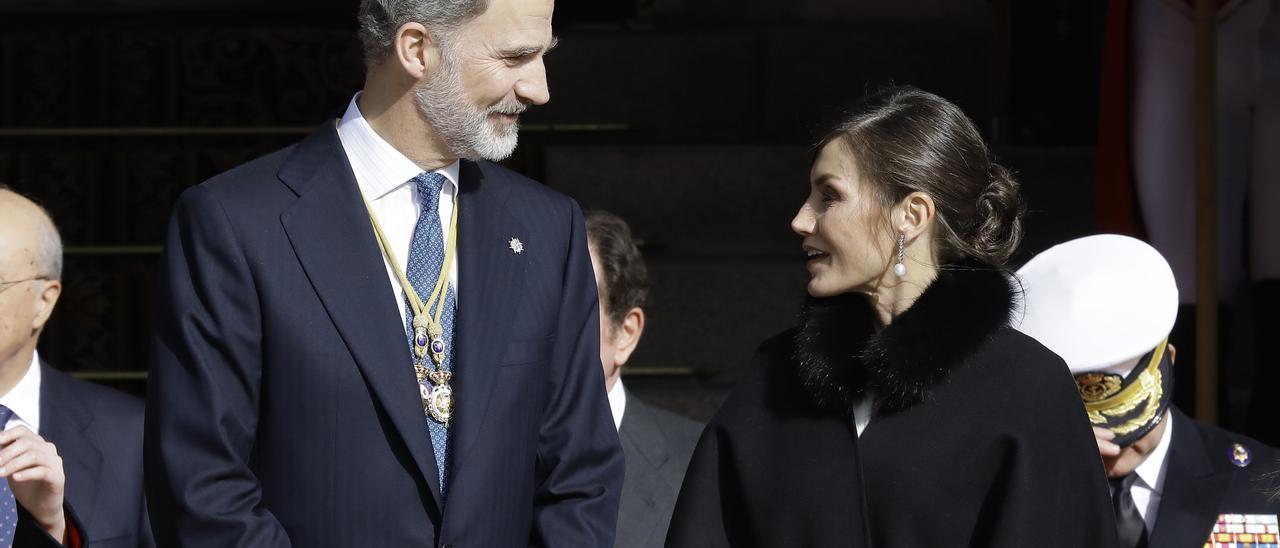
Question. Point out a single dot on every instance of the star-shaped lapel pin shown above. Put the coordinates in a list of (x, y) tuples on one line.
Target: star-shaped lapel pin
[(516, 246)]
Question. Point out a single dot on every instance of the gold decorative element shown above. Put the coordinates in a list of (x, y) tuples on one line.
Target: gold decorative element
[(1240, 455), (1146, 391), (440, 403), (1098, 386), (437, 402)]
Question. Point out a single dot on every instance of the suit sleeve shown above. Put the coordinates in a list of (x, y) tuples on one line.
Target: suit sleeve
[(203, 388), (579, 463)]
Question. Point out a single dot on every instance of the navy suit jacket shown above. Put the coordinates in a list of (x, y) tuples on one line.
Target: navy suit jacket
[(1202, 481), (98, 433), (282, 404)]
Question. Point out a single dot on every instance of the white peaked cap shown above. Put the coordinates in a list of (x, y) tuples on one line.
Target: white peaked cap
[(1100, 301)]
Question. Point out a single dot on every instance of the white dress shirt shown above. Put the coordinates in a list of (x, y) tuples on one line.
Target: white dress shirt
[(24, 399), (862, 413), (617, 402), (385, 177), (1147, 489)]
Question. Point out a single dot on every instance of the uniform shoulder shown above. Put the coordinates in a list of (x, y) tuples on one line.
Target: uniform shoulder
[(1221, 442)]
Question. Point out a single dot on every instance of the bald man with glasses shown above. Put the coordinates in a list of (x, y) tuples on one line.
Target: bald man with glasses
[(70, 451)]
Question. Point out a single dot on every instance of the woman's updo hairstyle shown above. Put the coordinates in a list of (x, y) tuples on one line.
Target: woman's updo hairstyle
[(906, 140)]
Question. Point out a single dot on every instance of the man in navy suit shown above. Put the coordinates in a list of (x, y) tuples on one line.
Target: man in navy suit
[(72, 450), (433, 382)]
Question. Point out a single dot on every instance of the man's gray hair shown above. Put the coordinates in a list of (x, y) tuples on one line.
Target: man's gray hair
[(49, 254), (380, 19)]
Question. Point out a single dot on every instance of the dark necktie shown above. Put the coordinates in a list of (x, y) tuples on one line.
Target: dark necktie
[(426, 255), (8, 506), (1129, 523)]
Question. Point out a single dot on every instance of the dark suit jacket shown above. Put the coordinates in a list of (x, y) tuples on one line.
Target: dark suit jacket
[(283, 407), (98, 433), (1201, 482), (657, 444)]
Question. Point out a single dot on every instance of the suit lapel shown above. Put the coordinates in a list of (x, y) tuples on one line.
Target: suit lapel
[(647, 495), (639, 426), (63, 422), (1193, 490), (333, 240), (491, 279)]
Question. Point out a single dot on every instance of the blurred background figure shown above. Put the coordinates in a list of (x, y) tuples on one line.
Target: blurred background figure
[(657, 443), (1106, 304), (1147, 165), (68, 444)]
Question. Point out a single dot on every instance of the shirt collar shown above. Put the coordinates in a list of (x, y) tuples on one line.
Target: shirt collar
[(378, 167), (1152, 470), (24, 398), (617, 402)]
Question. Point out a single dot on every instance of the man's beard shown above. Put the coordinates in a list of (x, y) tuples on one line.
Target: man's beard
[(464, 127)]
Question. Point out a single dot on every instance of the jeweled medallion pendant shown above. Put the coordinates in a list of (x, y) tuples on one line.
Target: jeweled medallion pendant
[(440, 401)]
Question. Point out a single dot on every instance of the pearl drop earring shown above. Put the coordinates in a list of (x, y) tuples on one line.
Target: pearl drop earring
[(901, 269)]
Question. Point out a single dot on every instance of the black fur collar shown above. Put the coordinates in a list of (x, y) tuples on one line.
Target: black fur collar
[(839, 355)]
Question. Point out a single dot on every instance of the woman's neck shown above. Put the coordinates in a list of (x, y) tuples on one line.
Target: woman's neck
[(894, 294)]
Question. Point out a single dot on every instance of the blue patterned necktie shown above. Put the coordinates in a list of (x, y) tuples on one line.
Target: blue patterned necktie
[(8, 506), (426, 255)]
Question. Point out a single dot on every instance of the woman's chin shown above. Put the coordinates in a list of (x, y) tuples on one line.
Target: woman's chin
[(819, 290)]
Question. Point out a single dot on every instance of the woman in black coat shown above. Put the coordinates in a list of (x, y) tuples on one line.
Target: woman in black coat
[(903, 410)]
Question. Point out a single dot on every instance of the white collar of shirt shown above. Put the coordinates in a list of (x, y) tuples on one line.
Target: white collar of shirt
[(385, 176), (1152, 470), (862, 412), (1148, 490), (380, 168), (617, 402), (24, 398)]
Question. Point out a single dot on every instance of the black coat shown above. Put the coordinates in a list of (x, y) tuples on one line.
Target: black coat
[(979, 438), (1202, 481)]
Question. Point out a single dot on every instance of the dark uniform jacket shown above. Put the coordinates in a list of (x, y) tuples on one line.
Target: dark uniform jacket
[(657, 445), (979, 437), (1205, 477)]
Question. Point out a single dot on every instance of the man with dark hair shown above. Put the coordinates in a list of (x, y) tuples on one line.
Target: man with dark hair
[(378, 337), (72, 450), (657, 443)]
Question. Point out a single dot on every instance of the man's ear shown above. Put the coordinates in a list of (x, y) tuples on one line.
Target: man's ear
[(627, 335), (416, 50), (46, 300)]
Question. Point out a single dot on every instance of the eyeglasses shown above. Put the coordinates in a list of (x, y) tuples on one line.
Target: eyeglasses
[(4, 286)]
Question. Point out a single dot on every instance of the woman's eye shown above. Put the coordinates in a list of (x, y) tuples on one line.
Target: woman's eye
[(829, 197)]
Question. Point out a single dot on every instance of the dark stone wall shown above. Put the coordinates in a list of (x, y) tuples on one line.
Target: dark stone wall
[(692, 120)]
